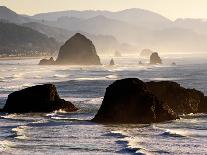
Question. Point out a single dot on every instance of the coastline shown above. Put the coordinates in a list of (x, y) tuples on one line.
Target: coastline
[(22, 58)]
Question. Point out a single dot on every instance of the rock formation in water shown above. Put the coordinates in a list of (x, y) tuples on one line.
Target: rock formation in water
[(179, 99), (40, 98), (47, 62), (155, 59), (112, 62), (130, 101), (173, 63), (78, 50)]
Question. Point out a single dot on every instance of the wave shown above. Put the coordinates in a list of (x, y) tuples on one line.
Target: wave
[(112, 76), (19, 132), (174, 133), (60, 76), (5, 145)]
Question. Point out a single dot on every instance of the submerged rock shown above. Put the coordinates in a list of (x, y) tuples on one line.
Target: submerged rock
[(40, 98), (78, 50), (47, 62), (179, 99), (155, 59), (112, 62), (130, 101)]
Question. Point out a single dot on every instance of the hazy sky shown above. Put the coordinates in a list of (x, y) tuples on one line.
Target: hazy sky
[(170, 8)]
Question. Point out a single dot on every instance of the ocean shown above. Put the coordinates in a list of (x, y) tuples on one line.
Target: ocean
[(73, 133)]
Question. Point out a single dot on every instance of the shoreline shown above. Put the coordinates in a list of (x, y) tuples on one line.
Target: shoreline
[(23, 58)]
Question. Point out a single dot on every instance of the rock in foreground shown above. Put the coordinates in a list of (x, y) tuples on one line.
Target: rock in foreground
[(155, 59), (78, 50), (179, 99), (130, 101), (40, 98)]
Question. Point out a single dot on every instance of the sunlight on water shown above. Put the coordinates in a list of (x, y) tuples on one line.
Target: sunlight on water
[(60, 132)]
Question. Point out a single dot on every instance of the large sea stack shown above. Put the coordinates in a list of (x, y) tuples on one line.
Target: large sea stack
[(40, 98), (155, 59), (179, 99), (130, 101), (78, 50)]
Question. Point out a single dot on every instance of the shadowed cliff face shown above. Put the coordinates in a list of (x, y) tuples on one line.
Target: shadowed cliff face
[(179, 99), (130, 101), (78, 50), (40, 98)]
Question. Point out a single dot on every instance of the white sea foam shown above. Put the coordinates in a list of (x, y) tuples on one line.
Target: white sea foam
[(20, 132)]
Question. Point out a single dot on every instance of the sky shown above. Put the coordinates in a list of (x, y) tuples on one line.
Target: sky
[(171, 9)]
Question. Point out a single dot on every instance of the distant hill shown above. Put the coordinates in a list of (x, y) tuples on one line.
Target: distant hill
[(58, 33), (197, 25), (132, 16), (103, 43), (129, 30), (18, 39), (8, 15), (101, 25)]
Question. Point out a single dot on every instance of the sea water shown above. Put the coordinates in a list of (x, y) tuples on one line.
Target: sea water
[(59, 132)]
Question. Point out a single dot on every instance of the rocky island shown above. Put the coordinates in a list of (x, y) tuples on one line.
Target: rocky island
[(134, 101), (78, 50), (155, 58), (130, 101), (40, 98)]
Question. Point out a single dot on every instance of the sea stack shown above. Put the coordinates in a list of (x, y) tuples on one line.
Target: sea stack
[(112, 62), (178, 98), (40, 98), (130, 101), (78, 50), (155, 59)]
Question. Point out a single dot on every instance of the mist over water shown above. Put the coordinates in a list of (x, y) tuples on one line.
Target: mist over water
[(71, 133)]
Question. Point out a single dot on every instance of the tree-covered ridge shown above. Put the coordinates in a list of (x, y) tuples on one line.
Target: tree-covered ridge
[(18, 39)]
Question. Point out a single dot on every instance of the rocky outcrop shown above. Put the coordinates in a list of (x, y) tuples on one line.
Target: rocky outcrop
[(173, 63), (40, 98), (47, 62), (78, 50), (112, 62), (155, 59), (130, 101), (179, 99)]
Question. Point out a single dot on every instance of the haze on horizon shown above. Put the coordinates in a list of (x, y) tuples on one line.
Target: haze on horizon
[(171, 9)]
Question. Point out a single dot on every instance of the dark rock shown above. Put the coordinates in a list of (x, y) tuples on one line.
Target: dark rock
[(140, 62), (155, 59), (130, 101), (78, 50), (146, 52), (112, 62), (179, 99), (40, 98), (47, 62), (173, 63)]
